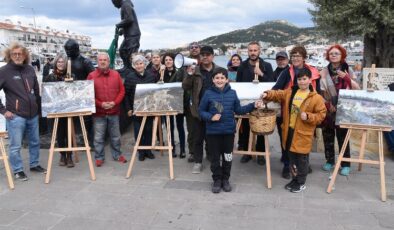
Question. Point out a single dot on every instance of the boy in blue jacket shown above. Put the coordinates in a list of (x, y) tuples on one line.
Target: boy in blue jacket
[(217, 109)]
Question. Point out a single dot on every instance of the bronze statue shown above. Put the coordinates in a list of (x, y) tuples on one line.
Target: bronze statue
[(80, 66), (129, 28)]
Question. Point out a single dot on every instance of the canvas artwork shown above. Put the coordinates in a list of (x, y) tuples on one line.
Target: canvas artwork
[(367, 108), (379, 79), (158, 97), (67, 97), (248, 92), (2, 118)]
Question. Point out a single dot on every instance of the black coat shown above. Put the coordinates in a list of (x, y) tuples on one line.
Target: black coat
[(244, 73), (132, 78)]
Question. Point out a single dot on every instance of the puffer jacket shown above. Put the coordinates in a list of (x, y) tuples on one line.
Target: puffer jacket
[(225, 100), (108, 86), (313, 106)]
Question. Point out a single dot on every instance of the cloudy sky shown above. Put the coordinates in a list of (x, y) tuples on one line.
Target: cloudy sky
[(163, 23)]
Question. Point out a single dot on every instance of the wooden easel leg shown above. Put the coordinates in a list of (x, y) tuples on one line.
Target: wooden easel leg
[(6, 165), (161, 135), (362, 149), (51, 151), (268, 161), (236, 138), (154, 130), (74, 142), (87, 146), (381, 166), (137, 143), (338, 164), (169, 147)]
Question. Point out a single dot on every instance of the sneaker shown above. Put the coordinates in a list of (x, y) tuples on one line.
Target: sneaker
[(141, 157), (226, 186), (246, 158), (309, 169), (289, 185), (197, 168), (21, 176), (327, 167), (38, 169), (182, 155), (122, 159), (286, 172), (260, 160), (149, 155), (345, 171), (216, 186), (191, 158), (99, 163), (296, 188)]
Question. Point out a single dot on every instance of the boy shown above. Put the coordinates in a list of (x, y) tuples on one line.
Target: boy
[(217, 109), (303, 109)]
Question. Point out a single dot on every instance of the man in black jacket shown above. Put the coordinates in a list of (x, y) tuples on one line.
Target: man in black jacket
[(19, 82), (246, 73)]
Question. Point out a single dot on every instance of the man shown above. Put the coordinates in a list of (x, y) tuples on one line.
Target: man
[(197, 83), (194, 50), (154, 65), (109, 92), (246, 73), (129, 28), (282, 61), (47, 68), (19, 82)]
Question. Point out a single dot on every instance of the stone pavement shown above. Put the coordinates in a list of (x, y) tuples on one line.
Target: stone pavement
[(149, 200)]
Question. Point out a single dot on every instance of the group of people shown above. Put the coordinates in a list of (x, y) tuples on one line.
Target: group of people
[(308, 98)]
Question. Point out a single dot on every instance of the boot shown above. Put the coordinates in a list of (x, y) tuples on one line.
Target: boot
[(62, 161), (70, 162)]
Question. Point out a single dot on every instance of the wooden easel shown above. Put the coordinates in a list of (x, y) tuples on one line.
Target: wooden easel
[(361, 160), (251, 147), (4, 157), (157, 116), (70, 147)]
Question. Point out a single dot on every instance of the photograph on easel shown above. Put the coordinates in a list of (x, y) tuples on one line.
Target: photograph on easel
[(377, 78), (366, 108), (158, 97), (248, 92), (67, 97)]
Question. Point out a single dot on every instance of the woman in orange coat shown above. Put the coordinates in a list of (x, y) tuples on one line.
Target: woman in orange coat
[(303, 109)]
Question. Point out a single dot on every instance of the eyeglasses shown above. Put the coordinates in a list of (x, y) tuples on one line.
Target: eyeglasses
[(334, 54), (295, 56), (194, 47), (16, 54)]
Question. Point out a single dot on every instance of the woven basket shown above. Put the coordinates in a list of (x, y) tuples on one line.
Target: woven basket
[(262, 121)]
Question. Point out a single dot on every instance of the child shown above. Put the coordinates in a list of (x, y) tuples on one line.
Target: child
[(217, 109), (303, 109)]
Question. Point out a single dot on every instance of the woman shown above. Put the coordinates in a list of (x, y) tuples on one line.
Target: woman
[(232, 66), (287, 79), (139, 76), (337, 75), (58, 74), (170, 76)]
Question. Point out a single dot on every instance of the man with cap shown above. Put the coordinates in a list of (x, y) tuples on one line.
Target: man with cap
[(282, 62), (197, 82)]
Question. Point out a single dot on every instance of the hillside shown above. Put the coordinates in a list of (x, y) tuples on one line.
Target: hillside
[(278, 33)]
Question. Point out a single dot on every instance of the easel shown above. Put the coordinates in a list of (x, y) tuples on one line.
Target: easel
[(70, 147), (251, 147), (157, 116), (4, 157)]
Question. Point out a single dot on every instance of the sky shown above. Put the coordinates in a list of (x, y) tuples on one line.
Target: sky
[(163, 23)]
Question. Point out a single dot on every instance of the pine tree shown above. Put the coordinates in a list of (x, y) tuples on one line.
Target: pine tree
[(373, 19)]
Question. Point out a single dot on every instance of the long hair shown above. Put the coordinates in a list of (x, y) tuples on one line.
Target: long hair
[(60, 56), (13, 46)]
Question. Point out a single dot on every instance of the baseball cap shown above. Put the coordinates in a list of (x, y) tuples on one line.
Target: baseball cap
[(281, 54), (206, 50)]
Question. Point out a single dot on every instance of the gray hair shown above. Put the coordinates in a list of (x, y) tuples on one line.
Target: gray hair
[(60, 56), (103, 53), (138, 58)]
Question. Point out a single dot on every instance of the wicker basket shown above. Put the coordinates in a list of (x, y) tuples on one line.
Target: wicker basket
[(262, 121)]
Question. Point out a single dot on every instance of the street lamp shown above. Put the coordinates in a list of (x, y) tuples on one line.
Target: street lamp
[(34, 19)]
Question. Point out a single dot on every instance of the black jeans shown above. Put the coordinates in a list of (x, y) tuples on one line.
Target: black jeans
[(244, 138), (285, 155), (299, 164), (198, 139), (189, 126), (146, 138), (329, 143), (221, 146)]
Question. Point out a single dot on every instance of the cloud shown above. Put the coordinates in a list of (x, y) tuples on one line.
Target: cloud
[(163, 24)]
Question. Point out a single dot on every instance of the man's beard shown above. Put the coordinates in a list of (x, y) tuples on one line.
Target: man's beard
[(253, 58)]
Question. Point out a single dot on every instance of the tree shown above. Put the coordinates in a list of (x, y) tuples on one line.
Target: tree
[(373, 19)]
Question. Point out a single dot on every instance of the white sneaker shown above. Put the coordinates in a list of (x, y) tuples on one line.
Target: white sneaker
[(197, 168)]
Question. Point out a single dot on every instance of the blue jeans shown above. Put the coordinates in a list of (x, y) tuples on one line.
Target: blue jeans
[(101, 125), (17, 128)]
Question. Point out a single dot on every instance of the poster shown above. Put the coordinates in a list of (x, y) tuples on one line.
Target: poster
[(378, 80), (248, 92), (367, 108), (2, 118), (67, 97), (158, 97)]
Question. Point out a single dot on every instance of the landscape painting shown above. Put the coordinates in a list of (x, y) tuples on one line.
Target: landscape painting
[(367, 108), (248, 92), (67, 97), (158, 97)]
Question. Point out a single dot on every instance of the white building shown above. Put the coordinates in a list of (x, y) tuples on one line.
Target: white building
[(39, 41)]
